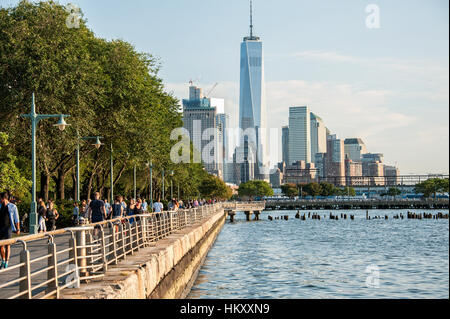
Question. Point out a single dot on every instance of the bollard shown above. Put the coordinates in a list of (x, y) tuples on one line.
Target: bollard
[(25, 284), (52, 272), (80, 243)]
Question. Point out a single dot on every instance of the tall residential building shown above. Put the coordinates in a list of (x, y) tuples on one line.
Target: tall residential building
[(300, 172), (223, 120), (353, 172), (285, 144), (391, 174), (318, 136), (370, 158), (299, 134), (354, 149), (252, 101), (335, 160), (319, 161), (199, 115)]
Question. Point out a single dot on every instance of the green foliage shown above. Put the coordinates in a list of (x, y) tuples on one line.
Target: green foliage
[(255, 188), (432, 186), (290, 190), (394, 191), (214, 187), (312, 189), (11, 178)]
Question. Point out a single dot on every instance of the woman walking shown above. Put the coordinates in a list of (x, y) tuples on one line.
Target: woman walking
[(52, 216), (42, 210)]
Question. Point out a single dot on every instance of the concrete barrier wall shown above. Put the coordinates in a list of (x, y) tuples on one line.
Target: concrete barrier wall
[(166, 270)]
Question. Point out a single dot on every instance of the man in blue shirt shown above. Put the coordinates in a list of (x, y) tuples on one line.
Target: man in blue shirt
[(9, 223), (158, 206)]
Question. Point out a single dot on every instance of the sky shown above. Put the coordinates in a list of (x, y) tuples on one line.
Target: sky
[(387, 85)]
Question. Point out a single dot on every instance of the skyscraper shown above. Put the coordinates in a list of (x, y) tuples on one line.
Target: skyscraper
[(318, 136), (285, 144), (299, 134), (198, 116), (354, 149), (252, 104), (335, 160)]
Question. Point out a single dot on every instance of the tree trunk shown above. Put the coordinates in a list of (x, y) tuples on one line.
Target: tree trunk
[(45, 185), (60, 183)]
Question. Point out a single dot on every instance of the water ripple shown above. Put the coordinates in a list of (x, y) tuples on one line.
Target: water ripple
[(327, 258)]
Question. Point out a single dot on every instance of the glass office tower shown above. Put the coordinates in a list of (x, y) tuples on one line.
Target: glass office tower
[(252, 104)]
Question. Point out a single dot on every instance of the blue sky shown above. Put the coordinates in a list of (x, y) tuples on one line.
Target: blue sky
[(388, 86)]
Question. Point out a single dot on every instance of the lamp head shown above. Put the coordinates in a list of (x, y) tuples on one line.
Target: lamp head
[(61, 123), (97, 143)]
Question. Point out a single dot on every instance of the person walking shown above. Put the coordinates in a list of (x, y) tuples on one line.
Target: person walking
[(9, 223), (75, 213), (116, 212), (97, 211), (42, 213), (52, 215), (107, 208), (158, 206), (144, 206)]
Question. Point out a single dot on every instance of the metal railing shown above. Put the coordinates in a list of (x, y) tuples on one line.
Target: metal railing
[(50, 262)]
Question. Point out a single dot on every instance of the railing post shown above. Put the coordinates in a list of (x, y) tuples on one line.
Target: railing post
[(136, 227), (25, 284), (114, 241), (102, 237), (122, 239), (73, 255), (52, 273), (185, 218), (79, 251), (130, 237)]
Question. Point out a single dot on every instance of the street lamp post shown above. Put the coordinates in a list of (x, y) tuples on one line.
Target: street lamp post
[(134, 181), (150, 167), (112, 176), (171, 185), (97, 145), (163, 193), (35, 118)]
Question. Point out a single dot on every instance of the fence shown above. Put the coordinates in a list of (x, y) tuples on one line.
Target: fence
[(50, 262)]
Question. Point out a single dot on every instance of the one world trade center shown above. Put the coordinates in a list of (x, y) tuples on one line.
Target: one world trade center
[(252, 109)]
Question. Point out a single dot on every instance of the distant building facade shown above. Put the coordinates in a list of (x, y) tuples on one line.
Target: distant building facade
[(318, 136), (299, 134)]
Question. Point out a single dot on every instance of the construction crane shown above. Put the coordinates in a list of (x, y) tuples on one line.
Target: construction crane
[(212, 89)]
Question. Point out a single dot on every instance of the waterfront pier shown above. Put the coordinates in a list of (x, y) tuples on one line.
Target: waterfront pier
[(249, 208)]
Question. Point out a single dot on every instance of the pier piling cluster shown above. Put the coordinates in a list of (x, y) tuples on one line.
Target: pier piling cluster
[(410, 215)]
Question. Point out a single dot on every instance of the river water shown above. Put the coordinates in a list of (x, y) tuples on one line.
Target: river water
[(328, 258)]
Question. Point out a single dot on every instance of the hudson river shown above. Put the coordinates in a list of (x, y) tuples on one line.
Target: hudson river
[(358, 258)]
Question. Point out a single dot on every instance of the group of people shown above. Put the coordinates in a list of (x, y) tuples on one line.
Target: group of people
[(99, 210), (47, 215), (93, 211)]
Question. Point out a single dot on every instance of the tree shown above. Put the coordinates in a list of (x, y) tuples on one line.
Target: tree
[(255, 188), (432, 186), (394, 191), (327, 189), (312, 189), (214, 187), (289, 190), (11, 178)]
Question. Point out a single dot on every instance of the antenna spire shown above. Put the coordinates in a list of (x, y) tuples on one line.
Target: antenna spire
[(251, 20)]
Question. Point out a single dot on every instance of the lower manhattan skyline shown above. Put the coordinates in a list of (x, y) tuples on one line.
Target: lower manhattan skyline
[(386, 85), (236, 153)]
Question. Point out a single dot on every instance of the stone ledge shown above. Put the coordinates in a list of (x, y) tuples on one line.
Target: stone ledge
[(138, 275)]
